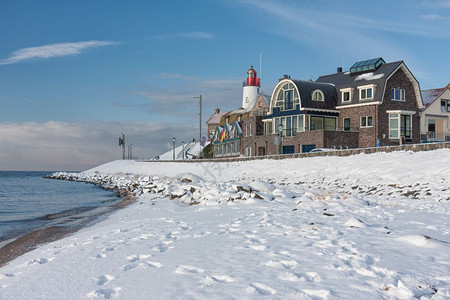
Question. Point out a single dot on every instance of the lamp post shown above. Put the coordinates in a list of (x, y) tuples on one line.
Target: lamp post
[(173, 147), (130, 151), (200, 118), (280, 131)]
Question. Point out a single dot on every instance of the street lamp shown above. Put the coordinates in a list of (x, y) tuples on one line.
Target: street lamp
[(280, 131), (173, 147)]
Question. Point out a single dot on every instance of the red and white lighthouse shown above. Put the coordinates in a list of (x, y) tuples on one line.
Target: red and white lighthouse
[(251, 88)]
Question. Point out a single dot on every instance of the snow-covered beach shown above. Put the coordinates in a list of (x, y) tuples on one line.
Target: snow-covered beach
[(373, 226)]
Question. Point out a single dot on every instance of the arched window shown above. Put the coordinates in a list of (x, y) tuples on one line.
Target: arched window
[(286, 97), (317, 95)]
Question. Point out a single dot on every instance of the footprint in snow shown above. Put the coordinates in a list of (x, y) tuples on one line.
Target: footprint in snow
[(133, 258), (40, 261), (222, 278), (262, 289), (105, 293), (188, 270), (104, 279), (287, 264)]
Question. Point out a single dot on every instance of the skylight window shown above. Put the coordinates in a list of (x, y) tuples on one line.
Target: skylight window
[(366, 65)]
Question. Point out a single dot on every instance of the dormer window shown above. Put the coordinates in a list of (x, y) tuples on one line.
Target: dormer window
[(346, 94), (317, 95), (366, 92)]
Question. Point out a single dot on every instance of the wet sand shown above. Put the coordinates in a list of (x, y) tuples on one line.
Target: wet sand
[(38, 237)]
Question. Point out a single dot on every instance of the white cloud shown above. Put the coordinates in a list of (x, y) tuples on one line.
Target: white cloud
[(189, 35), (52, 50), (434, 17), (197, 35), (79, 146)]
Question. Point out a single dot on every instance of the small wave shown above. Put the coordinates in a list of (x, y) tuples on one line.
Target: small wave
[(67, 213)]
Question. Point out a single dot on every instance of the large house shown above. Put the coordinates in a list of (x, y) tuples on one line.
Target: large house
[(435, 116), (373, 104)]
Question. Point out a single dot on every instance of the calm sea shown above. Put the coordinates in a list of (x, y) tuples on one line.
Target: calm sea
[(29, 202)]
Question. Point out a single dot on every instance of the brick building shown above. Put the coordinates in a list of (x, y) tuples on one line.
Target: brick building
[(374, 103)]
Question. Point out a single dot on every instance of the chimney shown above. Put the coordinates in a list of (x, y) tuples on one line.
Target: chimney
[(217, 110), (339, 70)]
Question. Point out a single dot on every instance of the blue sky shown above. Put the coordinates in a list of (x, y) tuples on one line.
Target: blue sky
[(74, 75)]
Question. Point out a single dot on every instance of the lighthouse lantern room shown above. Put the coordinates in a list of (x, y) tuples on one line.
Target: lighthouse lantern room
[(251, 88)]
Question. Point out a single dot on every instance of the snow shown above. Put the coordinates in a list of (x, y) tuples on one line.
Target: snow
[(373, 226), (369, 76), (191, 148), (429, 96)]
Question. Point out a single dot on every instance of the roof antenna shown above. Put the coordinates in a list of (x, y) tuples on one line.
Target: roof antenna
[(260, 68)]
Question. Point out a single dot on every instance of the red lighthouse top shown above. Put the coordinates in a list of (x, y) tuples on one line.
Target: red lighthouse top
[(252, 79)]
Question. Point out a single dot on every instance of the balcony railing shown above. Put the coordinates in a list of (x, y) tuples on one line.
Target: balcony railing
[(432, 136)]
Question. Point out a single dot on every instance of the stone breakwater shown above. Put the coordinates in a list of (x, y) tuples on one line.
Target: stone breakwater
[(183, 189)]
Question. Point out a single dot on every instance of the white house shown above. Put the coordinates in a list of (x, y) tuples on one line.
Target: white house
[(435, 116)]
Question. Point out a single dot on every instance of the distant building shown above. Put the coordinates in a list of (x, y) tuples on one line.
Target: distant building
[(228, 135), (435, 116), (213, 121)]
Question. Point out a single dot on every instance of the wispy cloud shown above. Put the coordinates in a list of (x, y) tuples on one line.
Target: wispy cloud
[(435, 17), (172, 96), (52, 50), (188, 35), (437, 4)]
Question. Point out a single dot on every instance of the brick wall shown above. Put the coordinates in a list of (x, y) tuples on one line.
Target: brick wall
[(367, 135), (398, 80)]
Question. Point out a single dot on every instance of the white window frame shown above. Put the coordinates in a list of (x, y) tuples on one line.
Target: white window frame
[(350, 92), (399, 113), (401, 92), (317, 92), (365, 88), (367, 122)]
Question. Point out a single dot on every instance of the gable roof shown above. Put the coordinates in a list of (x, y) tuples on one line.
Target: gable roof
[(377, 77), (429, 96), (215, 118), (347, 80)]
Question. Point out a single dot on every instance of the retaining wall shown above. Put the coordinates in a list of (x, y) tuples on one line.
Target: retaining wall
[(348, 152)]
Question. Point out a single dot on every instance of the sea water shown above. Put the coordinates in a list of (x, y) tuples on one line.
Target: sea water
[(29, 202)]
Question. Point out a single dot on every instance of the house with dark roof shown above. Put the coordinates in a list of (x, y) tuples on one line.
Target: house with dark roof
[(435, 115), (373, 104), (381, 101)]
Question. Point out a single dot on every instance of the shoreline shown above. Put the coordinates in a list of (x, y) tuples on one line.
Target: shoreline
[(16, 247)]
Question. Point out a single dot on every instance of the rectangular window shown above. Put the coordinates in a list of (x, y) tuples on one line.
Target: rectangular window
[(316, 123), (330, 123), (301, 124), (345, 96), (398, 94), (347, 124), (443, 105), (365, 94), (288, 126), (288, 100), (294, 125), (393, 126), (448, 105), (366, 121)]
